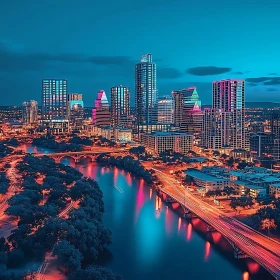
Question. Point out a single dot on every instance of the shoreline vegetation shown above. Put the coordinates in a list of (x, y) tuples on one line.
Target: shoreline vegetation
[(76, 239)]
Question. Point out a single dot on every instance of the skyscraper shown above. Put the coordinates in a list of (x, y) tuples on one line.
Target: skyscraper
[(216, 129), (165, 109), (229, 95), (146, 91), (29, 112), (120, 105), (54, 99), (187, 110), (75, 111), (101, 111)]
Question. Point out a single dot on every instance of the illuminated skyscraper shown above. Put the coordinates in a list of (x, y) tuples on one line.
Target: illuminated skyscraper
[(101, 111), (165, 109), (54, 99), (29, 112), (187, 110), (146, 91), (120, 105), (229, 95), (216, 129), (75, 111)]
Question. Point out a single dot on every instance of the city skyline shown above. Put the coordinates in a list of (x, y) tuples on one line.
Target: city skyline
[(90, 66)]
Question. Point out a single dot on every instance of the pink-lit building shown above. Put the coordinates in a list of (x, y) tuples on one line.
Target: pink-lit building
[(229, 96), (101, 111), (187, 110)]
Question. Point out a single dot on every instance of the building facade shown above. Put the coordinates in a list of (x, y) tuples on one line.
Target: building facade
[(120, 106), (187, 110), (146, 91), (75, 111), (54, 99), (165, 109), (30, 112), (101, 112), (261, 145), (229, 95), (162, 141), (216, 129)]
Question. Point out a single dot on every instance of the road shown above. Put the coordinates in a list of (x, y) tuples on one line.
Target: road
[(14, 178), (262, 249)]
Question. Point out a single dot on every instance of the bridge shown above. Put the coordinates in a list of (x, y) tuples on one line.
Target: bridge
[(77, 156), (246, 241)]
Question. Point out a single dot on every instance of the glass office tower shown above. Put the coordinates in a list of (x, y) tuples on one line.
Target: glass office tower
[(146, 91)]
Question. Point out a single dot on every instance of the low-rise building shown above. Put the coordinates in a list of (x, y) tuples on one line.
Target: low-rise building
[(207, 181), (162, 141)]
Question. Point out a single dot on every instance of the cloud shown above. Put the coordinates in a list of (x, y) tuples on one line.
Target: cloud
[(208, 70), (272, 89), (272, 74), (241, 73), (111, 60), (169, 73), (15, 60), (268, 81)]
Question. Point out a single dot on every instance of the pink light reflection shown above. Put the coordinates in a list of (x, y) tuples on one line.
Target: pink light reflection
[(139, 199), (189, 232), (179, 223), (207, 250)]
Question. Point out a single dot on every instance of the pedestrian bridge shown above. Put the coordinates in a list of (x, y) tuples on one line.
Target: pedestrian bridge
[(77, 156)]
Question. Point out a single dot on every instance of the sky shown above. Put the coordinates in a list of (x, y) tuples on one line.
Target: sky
[(95, 45)]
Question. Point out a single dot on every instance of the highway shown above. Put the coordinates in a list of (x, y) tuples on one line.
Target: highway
[(260, 248)]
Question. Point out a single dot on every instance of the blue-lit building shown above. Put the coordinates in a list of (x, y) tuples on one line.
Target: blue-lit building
[(54, 99), (120, 106), (75, 111), (146, 91)]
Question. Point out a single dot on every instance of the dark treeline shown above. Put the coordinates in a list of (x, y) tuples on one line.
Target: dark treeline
[(268, 217), (128, 163), (4, 183), (6, 146), (77, 241), (50, 143)]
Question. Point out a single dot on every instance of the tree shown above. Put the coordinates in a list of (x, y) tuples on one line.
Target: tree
[(95, 273), (230, 162), (268, 224), (69, 255)]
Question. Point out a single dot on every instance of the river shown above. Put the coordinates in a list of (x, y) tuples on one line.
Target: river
[(152, 241)]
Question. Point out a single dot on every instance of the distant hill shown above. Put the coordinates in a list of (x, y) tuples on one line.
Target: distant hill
[(265, 105)]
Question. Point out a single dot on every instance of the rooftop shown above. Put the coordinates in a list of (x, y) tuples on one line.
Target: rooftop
[(203, 176)]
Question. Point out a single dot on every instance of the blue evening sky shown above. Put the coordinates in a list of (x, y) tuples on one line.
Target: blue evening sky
[(95, 44)]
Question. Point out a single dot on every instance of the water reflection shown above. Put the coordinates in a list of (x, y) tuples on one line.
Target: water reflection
[(189, 232), (245, 276), (179, 223), (207, 250)]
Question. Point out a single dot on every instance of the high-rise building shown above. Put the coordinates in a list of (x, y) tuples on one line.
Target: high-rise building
[(29, 112), (216, 129), (275, 124), (101, 112), (54, 99), (165, 109), (229, 95), (187, 110), (146, 91), (75, 111), (261, 145), (120, 106)]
